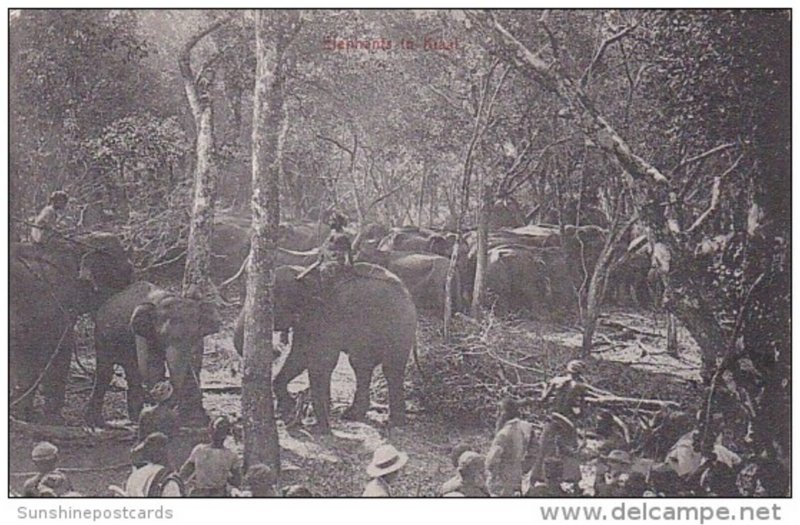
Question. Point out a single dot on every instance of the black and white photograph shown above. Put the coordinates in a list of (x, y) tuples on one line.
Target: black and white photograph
[(405, 253)]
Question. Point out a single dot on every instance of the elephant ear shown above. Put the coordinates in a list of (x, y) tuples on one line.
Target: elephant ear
[(143, 321)]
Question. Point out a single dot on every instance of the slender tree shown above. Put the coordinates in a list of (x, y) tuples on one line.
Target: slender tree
[(274, 32), (198, 92)]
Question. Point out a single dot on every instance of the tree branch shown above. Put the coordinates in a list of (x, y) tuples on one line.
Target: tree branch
[(602, 49), (715, 192), (697, 158), (338, 144), (592, 123)]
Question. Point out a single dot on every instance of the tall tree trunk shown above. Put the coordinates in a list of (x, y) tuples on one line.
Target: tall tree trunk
[(482, 250), (433, 205), (421, 200), (596, 292), (198, 94), (198, 252), (269, 129)]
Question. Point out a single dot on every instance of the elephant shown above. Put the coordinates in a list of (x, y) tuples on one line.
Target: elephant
[(230, 245), (50, 286), (142, 328), (536, 280), (302, 236), (368, 314), (425, 275), (419, 240)]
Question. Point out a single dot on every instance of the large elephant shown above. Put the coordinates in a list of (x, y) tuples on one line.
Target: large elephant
[(142, 328), (424, 274), (368, 314), (528, 279), (50, 286)]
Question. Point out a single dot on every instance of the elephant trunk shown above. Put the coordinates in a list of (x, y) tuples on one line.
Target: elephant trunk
[(184, 373)]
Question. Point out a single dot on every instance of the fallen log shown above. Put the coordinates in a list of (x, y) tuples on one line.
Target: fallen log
[(627, 328), (631, 402), (86, 436)]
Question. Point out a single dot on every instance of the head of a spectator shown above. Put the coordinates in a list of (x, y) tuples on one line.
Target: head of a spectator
[(161, 392), (472, 468), (576, 368), (58, 200), (386, 463), (455, 453), (507, 410), (261, 480), (617, 461), (297, 491), (45, 456), (218, 430)]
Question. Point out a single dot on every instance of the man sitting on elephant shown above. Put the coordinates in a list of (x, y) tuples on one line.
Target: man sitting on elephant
[(46, 223), (336, 253)]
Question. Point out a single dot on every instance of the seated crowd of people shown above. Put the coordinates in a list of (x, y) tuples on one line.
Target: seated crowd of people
[(517, 462)]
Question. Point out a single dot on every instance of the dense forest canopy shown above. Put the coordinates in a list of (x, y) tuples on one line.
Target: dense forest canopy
[(672, 126)]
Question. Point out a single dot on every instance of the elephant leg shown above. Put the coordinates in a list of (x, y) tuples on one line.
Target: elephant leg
[(191, 401), (103, 372), (358, 410), (54, 384), (293, 366), (320, 381), (136, 393), (395, 373)]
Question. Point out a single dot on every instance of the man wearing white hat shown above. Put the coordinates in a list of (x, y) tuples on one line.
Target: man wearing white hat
[(45, 458), (386, 463)]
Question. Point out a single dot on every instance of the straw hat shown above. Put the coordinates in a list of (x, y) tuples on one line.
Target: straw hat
[(44, 451), (618, 456), (386, 460)]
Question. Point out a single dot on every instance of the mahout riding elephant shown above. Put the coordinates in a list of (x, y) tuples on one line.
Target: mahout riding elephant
[(367, 313), (142, 328), (424, 274), (50, 286)]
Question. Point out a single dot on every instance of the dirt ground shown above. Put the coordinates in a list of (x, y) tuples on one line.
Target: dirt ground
[(334, 465)]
